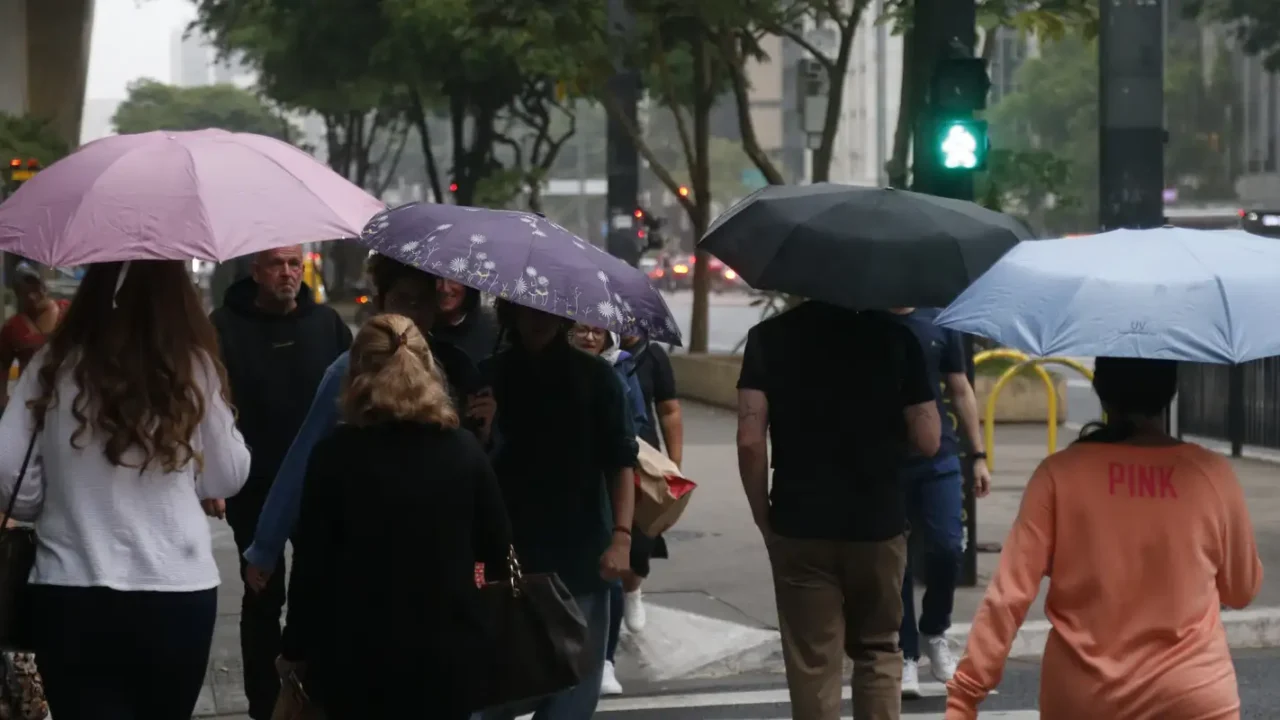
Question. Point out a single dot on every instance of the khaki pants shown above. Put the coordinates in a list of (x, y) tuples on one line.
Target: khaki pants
[(835, 598)]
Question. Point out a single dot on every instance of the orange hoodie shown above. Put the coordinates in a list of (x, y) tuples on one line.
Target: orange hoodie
[(1141, 545)]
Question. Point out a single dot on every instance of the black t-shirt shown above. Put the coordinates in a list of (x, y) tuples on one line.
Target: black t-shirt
[(943, 355), (657, 382), (837, 382)]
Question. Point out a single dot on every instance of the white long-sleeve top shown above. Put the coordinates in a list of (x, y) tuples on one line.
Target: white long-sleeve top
[(99, 525)]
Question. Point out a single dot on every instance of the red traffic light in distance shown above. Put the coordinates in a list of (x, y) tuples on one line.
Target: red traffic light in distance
[(638, 213), (453, 187), (684, 191)]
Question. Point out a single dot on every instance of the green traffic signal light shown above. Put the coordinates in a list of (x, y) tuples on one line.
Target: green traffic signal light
[(962, 144)]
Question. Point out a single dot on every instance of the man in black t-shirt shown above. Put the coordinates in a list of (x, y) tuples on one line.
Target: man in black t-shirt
[(844, 396)]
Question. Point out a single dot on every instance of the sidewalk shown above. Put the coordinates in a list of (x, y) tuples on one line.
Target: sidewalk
[(711, 606), (712, 611)]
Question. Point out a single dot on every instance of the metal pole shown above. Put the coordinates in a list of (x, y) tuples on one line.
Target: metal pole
[(942, 28), (1131, 135), (623, 167)]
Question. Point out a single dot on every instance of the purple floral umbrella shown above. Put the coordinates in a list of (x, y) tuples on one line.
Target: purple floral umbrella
[(524, 258)]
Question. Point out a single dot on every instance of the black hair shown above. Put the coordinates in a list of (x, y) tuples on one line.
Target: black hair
[(505, 311), (1129, 388), (385, 272)]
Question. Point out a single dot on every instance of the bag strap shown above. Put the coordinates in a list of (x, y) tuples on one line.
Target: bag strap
[(17, 487)]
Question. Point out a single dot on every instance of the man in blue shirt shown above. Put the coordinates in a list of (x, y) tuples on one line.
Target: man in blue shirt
[(398, 289), (934, 490)]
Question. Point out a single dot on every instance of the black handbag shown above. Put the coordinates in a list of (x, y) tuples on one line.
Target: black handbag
[(17, 556), (537, 638)]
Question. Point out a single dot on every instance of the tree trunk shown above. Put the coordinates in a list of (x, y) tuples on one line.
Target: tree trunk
[(700, 174), (896, 168), (835, 99)]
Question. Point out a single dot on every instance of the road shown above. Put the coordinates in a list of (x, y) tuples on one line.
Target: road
[(1016, 699)]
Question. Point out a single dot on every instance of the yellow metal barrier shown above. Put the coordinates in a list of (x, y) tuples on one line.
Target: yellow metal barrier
[(989, 423), (1038, 363)]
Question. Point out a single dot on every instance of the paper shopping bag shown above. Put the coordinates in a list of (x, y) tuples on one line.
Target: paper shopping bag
[(662, 492)]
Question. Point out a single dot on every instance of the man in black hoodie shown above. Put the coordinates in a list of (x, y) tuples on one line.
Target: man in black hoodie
[(276, 344)]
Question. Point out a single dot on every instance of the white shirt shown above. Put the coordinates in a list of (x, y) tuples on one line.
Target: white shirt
[(99, 525)]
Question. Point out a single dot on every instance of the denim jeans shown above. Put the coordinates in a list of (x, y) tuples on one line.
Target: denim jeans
[(578, 702), (616, 608), (935, 507)]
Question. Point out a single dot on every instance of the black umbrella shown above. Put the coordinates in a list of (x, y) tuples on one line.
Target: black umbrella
[(861, 247)]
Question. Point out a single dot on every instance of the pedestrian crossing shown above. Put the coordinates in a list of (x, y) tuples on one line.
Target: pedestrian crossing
[(772, 703)]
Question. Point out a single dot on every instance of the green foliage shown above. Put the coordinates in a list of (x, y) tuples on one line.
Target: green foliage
[(152, 105), (1045, 135), (26, 137), (1256, 24)]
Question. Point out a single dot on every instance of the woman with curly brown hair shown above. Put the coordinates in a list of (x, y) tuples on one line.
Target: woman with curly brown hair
[(126, 411), (398, 505)]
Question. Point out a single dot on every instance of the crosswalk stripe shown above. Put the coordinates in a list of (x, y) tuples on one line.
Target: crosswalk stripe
[(727, 698), (983, 715)]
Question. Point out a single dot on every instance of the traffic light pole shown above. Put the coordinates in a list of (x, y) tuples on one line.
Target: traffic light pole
[(622, 161), (944, 29), (1131, 133)]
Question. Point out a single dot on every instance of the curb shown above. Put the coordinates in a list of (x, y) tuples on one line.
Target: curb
[(1245, 629)]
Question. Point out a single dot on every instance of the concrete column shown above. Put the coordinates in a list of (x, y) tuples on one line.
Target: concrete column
[(13, 56), (58, 36)]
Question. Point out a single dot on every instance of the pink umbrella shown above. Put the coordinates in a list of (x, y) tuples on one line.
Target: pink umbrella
[(208, 194)]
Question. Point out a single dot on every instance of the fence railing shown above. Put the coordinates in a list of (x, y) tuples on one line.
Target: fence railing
[(1237, 404)]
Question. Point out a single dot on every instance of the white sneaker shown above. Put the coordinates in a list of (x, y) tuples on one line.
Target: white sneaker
[(633, 611), (941, 662), (609, 684), (910, 679)]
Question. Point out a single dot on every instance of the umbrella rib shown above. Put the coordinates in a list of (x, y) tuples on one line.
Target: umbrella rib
[(1222, 292), (307, 188), (200, 208)]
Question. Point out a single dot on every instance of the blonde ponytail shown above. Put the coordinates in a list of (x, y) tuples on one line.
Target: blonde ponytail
[(393, 377)]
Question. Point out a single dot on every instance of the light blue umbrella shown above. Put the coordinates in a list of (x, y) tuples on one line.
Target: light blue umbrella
[(1168, 293)]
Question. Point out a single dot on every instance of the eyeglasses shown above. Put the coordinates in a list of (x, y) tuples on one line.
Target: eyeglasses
[(589, 331)]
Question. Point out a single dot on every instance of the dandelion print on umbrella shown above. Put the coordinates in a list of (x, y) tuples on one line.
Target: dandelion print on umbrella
[(524, 258)]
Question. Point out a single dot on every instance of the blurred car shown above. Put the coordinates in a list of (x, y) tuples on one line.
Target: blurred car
[(364, 307)]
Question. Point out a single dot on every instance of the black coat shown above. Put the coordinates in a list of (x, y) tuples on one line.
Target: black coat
[(274, 364)]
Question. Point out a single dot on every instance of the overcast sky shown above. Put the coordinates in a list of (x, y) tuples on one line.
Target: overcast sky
[(131, 39)]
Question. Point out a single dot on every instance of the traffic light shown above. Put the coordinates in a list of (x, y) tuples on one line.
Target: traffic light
[(19, 172), (961, 145), (683, 191), (453, 187)]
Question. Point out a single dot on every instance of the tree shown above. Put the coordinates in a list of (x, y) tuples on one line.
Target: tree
[(26, 137), (1255, 23), (152, 105), (1048, 20)]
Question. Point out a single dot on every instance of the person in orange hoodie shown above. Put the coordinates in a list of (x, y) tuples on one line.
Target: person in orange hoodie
[(1143, 539)]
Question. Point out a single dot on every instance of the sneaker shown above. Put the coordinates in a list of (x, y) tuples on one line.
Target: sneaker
[(910, 679), (609, 684), (941, 662), (633, 611)]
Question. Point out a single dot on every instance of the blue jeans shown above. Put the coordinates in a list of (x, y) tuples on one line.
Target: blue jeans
[(616, 608), (578, 702), (935, 507)]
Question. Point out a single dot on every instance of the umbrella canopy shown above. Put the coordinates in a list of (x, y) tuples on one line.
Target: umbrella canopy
[(1167, 293), (527, 259), (861, 247), (209, 194)]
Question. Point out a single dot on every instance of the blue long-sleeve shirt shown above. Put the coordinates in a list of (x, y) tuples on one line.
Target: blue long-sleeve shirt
[(280, 512)]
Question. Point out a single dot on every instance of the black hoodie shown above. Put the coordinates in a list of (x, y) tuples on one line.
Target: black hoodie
[(476, 334), (274, 364)]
